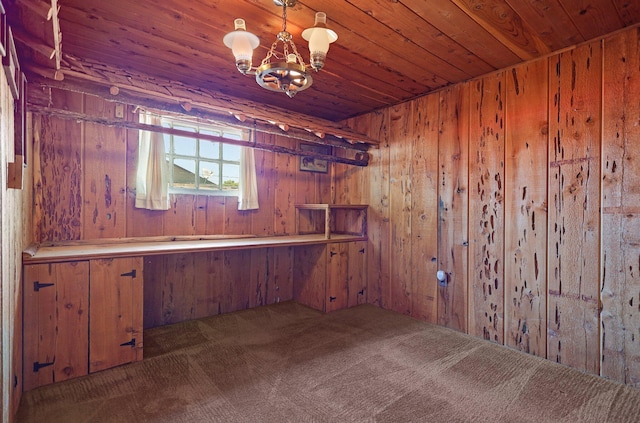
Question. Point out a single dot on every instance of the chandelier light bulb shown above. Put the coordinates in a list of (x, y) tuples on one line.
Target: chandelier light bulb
[(242, 43), (319, 37)]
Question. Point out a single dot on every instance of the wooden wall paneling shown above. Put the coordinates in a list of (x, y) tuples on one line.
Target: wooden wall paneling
[(424, 218), (262, 221), (400, 285), (378, 215), (104, 194), (259, 276), (357, 273), (115, 312), (155, 272), (337, 288), (236, 280), (486, 207), (236, 221), (620, 291), (310, 275), (209, 283), (179, 287), (281, 282), (56, 322), (285, 171), (180, 219), (575, 85), (525, 258), (453, 206), (140, 222), (58, 170)]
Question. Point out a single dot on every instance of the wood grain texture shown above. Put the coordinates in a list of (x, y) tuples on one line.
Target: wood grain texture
[(310, 276), (620, 291), (337, 284), (56, 322), (526, 158), (104, 196), (400, 188), (486, 207), (115, 313), (453, 206), (424, 218), (357, 273), (574, 222)]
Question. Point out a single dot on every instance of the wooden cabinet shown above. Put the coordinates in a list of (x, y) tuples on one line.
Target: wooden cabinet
[(115, 312), (330, 277), (56, 321), (80, 317)]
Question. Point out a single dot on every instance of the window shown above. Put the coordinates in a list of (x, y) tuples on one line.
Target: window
[(200, 165)]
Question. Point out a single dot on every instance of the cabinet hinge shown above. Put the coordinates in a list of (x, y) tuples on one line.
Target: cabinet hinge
[(332, 253), (132, 273), (131, 343), (361, 292), (361, 251), (37, 365), (37, 285), (332, 299)]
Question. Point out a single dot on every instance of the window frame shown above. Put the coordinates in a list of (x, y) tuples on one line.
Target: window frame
[(233, 133)]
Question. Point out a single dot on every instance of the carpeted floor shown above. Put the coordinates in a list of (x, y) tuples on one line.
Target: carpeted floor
[(288, 363)]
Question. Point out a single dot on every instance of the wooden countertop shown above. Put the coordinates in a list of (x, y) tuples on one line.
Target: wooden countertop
[(136, 247)]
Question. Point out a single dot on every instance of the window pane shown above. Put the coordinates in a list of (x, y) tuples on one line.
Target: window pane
[(209, 150), (231, 152), (210, 132), (184, 173), (167, 143), (230, 176), (209, 175), (184, 146)]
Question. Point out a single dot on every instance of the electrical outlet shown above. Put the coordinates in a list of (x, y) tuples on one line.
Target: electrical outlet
[(120, 111)]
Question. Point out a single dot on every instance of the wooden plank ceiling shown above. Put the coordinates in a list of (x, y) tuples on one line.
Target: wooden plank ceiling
[(388, 51)]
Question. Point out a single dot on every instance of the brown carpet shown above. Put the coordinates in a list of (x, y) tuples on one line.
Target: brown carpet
[(288, 363)]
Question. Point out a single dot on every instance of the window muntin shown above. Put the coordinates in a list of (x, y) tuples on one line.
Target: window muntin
[(199, 165)]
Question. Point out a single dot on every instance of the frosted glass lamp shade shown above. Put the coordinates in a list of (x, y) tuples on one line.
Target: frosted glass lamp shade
[(319, 37), (242, 43)]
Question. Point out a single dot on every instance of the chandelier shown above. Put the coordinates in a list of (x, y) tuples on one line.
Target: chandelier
[(285, 70)]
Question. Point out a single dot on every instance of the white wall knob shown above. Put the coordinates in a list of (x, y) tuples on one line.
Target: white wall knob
[(441, 275)]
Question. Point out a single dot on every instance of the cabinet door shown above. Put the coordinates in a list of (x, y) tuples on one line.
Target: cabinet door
[(337, 276), (357, 273), (56, 322), (116, 312)]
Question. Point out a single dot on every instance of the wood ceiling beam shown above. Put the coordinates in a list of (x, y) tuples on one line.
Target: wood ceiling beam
[(57, 34), (39, 97), (362, 159), (80, 75)]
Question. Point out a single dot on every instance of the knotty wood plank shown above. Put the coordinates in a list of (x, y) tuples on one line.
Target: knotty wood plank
[(180, 219), (104, 210), (155, 270), (58, 169), (378, 218), (56, 322), (237, 281), (486, 208), (424, 217), (285, 170), (179, 287), (620, 292), (357, 273), (262, 221), (310, 276), (575, 79), (400, 287), (281, 267), (209, 282), (593, 19), (115, 314), (526, 156), (337, 288), (259, 276), (453, 205)]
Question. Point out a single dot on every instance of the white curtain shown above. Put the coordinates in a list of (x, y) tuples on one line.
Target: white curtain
[(152, 187), (248, 187)]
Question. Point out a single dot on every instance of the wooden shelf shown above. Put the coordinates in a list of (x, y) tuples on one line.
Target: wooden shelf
[(334, 219), (136, 247)]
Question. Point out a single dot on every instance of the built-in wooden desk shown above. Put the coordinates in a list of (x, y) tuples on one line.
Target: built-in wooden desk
[(83, 300)]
